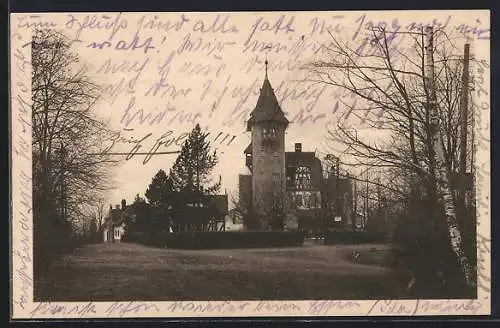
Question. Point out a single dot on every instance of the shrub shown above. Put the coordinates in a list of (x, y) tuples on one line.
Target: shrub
[(353, 237), (219, 239)]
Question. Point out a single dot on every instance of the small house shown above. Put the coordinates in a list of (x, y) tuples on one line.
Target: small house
[(114, 224)]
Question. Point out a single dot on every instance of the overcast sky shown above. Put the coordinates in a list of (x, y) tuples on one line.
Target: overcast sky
[(207, 68)]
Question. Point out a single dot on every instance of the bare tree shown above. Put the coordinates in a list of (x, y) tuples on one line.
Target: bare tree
[(239, 210), (390, 92), (100, 213), (67, 135), (70, 165)]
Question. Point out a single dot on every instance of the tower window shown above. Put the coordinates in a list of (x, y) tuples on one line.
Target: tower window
[(269, 134), (303, 178)]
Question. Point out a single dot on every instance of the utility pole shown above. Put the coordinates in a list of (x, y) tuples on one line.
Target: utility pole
[(440, 171), (62, 158), (366, 202), (355, 205), (340, 210), (379, 194)]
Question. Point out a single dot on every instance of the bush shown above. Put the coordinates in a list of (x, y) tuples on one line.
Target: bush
[(218, 239), (354, 237), (51, 240)]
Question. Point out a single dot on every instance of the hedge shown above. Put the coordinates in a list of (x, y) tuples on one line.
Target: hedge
[(354, 237), (218, 239)]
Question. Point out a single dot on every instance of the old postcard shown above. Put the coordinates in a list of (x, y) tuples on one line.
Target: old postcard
[(247, 164)]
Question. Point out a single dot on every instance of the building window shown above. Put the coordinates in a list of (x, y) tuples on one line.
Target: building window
[(298, 201), (307, 200), (269, 134), (303, 178)]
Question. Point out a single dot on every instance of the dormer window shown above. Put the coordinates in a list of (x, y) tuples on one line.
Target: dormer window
[(269, 134)]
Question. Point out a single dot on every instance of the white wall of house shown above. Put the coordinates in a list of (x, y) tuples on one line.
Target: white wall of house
[(118, 233), (230, 226), (105, 234)]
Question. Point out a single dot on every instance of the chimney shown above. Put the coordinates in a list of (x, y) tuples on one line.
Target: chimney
[(124, 204), (298, 147)]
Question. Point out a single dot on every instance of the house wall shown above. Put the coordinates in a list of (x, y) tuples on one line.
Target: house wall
[(230, 226), (105, 234), (118, 233), (113, 234)]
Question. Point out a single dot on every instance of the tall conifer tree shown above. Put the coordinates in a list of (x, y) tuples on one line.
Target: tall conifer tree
[(192, 170)]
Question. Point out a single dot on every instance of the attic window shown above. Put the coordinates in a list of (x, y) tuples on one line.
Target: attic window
[(269, 134)]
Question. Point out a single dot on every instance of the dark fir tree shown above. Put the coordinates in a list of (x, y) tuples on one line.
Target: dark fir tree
[(139, 218), (192, 170), (159, 192)]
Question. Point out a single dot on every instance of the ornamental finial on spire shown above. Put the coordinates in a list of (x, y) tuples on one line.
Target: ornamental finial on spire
[(266, 62)]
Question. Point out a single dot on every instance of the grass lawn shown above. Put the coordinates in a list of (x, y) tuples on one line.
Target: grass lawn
[(121, 272)]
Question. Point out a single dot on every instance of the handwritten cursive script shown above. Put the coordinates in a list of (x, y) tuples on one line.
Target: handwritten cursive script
[(62, 310)]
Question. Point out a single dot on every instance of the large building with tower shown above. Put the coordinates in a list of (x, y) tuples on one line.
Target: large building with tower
[(293, 182)]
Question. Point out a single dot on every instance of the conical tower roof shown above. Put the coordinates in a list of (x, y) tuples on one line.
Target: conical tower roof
[(267, 108)]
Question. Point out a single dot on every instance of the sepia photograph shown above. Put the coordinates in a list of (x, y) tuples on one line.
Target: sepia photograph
[(254, 157)]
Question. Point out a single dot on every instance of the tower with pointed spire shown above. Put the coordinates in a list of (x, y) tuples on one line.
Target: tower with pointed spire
[(266, 153)]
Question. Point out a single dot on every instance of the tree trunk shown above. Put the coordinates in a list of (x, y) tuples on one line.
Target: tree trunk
[(441, 171)]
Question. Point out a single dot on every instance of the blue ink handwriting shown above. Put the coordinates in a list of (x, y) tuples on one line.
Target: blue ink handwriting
[(156, 24), (129, 308), (393, 307), (213, 47), (97, 22), (47, 308), (218, 307), (324, 307), (319, 25), (125, 84), (34, 21), (216, 26), (262, 25), (124, 45), (448, 306)]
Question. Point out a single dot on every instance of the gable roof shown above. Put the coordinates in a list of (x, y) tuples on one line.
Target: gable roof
[(267, 108), (219, 202), (302, 157)]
